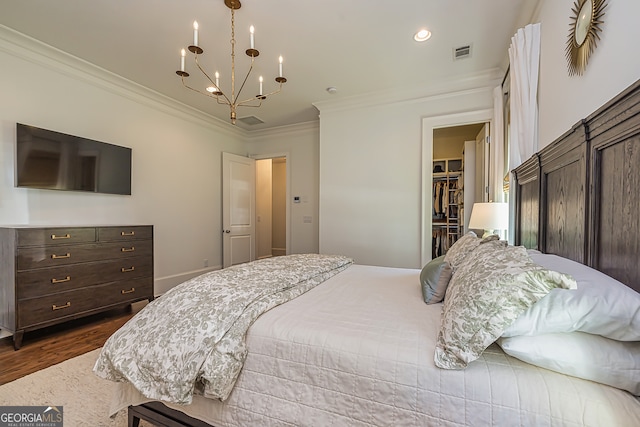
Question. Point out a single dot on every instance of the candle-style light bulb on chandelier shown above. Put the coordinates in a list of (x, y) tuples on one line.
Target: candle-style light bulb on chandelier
[(214, 90)]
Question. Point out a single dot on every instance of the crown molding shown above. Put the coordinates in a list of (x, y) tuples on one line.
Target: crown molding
[(444, 88), (29, 49), (287, 130)]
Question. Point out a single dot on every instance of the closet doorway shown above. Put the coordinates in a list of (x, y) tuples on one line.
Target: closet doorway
[(271, 207), (459, 179)]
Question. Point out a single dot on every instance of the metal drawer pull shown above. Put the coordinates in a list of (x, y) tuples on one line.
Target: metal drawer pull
[(131, 233), (132, 290), (60, 307), (66, 279), (66, 236), (125, 270), (67, 255), (131, 249)]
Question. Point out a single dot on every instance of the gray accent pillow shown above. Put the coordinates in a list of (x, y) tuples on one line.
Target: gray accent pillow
[(434, 279)]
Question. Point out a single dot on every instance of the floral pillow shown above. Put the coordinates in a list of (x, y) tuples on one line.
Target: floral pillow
[(489, 289), (461, 248)]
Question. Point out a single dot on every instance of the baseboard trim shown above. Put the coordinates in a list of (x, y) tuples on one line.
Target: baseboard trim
[(163, 284)]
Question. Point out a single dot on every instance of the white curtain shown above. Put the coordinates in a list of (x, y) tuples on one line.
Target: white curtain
[(524, 61), (496, 171)]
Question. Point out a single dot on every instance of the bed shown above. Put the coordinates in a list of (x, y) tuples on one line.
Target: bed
[(360, 347)]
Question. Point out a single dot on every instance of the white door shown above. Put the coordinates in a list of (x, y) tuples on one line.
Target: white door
[(238, 209), (482, 165)]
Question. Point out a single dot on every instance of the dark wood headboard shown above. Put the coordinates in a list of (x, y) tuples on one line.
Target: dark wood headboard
[(579, 197)]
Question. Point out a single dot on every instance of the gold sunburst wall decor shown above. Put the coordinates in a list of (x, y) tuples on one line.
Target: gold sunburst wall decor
[(584, 33)]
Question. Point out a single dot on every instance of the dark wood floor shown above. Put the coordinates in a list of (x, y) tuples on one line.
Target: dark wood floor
[(49, 346)]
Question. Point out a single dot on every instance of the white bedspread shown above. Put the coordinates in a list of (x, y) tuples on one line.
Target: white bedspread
[(357, 350)]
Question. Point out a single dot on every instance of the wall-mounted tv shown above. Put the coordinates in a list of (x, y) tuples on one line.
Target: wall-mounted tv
[(57, 161)]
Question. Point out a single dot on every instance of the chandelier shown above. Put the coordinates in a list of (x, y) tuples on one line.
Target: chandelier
[(214, 90)]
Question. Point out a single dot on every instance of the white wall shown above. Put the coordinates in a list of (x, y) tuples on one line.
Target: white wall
[(300, 144), (613, 66), (176, 177), (371, 171)]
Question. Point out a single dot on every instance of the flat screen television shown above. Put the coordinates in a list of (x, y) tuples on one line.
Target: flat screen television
[(57, 161)]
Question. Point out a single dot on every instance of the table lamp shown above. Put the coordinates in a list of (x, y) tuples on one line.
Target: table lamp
[(490, 217)]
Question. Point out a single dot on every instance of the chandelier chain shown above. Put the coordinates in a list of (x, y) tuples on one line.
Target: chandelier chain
[(233, 56)]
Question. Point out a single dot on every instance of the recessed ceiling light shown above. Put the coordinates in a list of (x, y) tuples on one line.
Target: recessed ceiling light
[(331, 90), (422, 35)]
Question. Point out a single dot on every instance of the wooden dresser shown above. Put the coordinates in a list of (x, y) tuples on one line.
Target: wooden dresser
[(50, 275)]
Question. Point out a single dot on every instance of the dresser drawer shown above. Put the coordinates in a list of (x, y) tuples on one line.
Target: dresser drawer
[(53, 256), (116, 250), (55, 236), (45, 281), (109, 234), (64, 304)]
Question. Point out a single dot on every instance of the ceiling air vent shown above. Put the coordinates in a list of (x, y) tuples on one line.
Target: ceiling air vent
[(462, 52), (250, 120)]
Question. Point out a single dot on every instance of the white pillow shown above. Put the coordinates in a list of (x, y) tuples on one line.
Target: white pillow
[(601, 305), (581, 355)]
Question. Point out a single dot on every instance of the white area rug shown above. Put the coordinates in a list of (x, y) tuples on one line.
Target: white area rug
[(71, 384)]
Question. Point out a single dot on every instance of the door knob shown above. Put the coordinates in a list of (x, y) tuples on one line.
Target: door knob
[(226, 231)]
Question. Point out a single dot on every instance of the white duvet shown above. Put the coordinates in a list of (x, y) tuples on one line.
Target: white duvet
[(358, 350)]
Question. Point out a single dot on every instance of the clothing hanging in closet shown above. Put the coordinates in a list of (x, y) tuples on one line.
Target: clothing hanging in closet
[(440, 199), (440, 242)]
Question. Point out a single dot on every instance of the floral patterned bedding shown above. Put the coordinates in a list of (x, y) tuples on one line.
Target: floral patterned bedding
[(192, 339)]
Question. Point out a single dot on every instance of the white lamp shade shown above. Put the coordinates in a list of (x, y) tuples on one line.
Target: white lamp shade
[(489, 216)]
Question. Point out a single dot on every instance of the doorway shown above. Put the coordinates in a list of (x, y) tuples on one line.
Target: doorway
[(429, 124), (459, 163), (271, 207)]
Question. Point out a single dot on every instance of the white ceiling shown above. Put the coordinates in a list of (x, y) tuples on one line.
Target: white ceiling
[(357, 46)]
